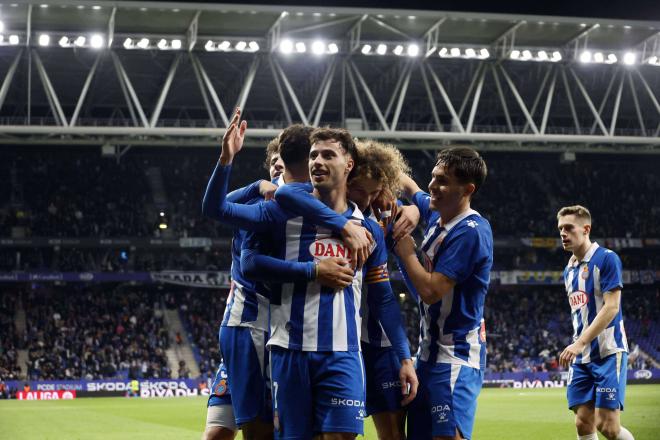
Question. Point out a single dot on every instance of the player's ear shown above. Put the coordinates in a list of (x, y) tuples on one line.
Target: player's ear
[(350, 163), (587, 229), (469, 189)]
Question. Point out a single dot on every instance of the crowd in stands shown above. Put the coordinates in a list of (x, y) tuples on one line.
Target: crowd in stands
[(9, 368), (75, 332)]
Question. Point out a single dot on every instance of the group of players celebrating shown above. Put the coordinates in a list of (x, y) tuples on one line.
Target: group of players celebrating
[(312, 340)]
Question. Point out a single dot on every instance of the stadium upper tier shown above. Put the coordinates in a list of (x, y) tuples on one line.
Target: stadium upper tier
[(137, 73)]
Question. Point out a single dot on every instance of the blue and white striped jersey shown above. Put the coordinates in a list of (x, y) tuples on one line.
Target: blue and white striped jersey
[(453, 330), (586, 282)]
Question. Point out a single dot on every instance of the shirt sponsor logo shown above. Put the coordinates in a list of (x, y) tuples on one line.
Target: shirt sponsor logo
[(577, 300), (336, 401), (329, 248), (605, 390)]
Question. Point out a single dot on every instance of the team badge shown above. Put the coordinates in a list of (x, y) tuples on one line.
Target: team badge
[(585, 273)]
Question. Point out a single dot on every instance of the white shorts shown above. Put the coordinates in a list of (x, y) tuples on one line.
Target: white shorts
[(221, 415)]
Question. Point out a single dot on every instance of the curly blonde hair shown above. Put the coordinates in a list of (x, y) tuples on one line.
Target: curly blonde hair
[(381, 162)]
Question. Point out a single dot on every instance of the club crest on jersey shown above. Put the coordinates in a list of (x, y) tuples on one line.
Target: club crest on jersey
[(585, 273), (329, 248), (578, 299)]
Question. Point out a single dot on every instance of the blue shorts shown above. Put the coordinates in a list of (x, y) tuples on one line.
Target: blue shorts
[(446, 401), (315, 392), (244, 353), (220, 394), (382, 375), (602, 382)]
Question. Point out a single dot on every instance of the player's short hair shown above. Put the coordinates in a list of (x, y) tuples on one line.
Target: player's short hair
[(295, 144), (381, 162), (466, 164), (578, 211), (340, 135), (273, 147)]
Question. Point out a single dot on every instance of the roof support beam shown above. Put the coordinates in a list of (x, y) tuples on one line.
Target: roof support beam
[(53, 100), (649, 91), (85, 89), (571, 104), (199, 68), (432, 36), (202, 89), (9, 76), (636, 102), (280, 92), (429, 93), (247, 85), (456, 120), (473, 83), (324, 96), (164, 91), (327, 77), (606, 97), (389, 27), (191, 32), (519, 100), (585, 94), (292, 93), (111, 27), (370, 96), (402, 97), (475, 101), (314, 27), (505, 106), (395, 91), (126, 83), (548, 102), (617, 102), (358, 100), (535, 104)]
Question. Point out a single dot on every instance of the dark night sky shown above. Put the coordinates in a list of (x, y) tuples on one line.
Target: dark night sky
[(617, 9)]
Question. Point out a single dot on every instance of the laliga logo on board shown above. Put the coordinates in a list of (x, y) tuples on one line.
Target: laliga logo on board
[(329, 248), (577, 300)]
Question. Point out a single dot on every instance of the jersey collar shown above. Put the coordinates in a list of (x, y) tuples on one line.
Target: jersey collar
[(280, 180), (587, 257), (457, 219)]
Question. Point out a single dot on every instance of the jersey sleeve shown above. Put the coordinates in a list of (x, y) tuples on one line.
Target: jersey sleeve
[(422, 200), (259, 266), (297, 198), (611, 272), (461, 255), (256, 217), (245, 194)]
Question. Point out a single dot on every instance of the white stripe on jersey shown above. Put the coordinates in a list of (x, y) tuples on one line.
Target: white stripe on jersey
[(236, 310), (311, 313), (453, 376), (357, 300), (584, 317)]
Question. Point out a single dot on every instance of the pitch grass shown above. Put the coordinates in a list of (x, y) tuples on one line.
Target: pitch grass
[(502, 414)]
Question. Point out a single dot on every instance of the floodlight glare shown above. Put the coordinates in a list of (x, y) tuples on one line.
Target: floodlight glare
[(128, 43), (176, 44), (611, 59), (13, 40), (301, 47), (80, 41), (241, 45), (318, 47), (653, 60), (455, 52), (398, 50), (143, 43), (286, 46), (64, 41), (585, 56), (225, 45), (209, 46), (542, 55), (443, 52), (333, 48), (366, 49), (515, 54), (556, 56), (381, 49), (599, 57), (44, 40), (162, 44), (629, 58), (2, 26), (470, 53), (483, 53), (253, 46), (413, 50), (96, 41), (526, 55)]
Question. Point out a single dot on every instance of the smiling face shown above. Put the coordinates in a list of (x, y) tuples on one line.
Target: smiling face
[(276, 166), (574, 231), (363, 190), (446, 191), (329, 165)]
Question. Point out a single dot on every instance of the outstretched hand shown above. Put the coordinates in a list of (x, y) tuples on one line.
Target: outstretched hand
[(232, 141)]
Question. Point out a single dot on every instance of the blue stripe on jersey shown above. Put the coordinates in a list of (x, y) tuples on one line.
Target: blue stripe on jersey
[(307, 237), (349, 306), (326, 318)]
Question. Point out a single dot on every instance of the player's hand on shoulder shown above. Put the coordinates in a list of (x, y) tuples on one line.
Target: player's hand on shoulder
[(409, 381), (335, 272), (406, 221), (359, 241), (232, 141), (267, 189)]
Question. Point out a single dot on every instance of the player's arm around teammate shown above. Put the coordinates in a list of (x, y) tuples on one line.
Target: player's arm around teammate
[(597, 357)]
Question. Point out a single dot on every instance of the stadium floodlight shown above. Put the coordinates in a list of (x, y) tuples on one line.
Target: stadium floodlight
[(484, 53), (599, 57), (556, 56), (443, 52), (413, 50), (241, 45), (162, 225), (209, 46), (455, 52), (14, 40), (162, 213), (333, 48), (176, 44), (515, 54), (381, 49), (64, 42), (318, 47), (470, 53), (96, 7), (80, 41), (398, 50), (129, 43), (96, 41), (542, 55), (526, 55), (366, 49), (44, 40), (225, 45), (162, 44), (653, 60), (44, 6), (286, 46), (585, 57), (611, 59), (2, 26), (253, 46), (629, 58), (301, 47), (143, 43)]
